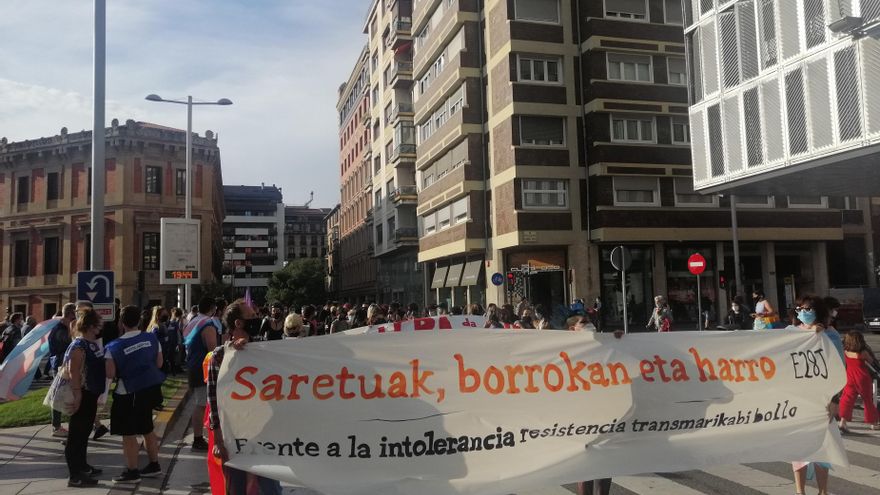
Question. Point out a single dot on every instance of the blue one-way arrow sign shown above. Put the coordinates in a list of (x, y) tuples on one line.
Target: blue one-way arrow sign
[(95, 286)]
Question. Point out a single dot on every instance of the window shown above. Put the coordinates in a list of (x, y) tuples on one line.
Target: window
[(673, 11), (807, 202), (378, 201), (429, 223), (768, 33), (154, 180), (536, 69), (629, 67), (537, 10), (542, 131), (87, 252), (24, 190), (685, 195), (681, 130), (22, 258), (544, 194), (53, 186), (443, 218), (814, 22), (150, 251), (632, 129), (634, 10), (636, 191), (50, 256), (180, 182), (677, 70), (754, 201), (460, 210), (380, 240)]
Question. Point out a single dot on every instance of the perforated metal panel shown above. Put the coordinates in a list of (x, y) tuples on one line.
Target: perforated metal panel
[(729, 48), (706, 5), (819, 98), (752, 124), (732, 134), (710, 59), (870, 64), (870, 9), (716, 140), (771, 98), (814, 22), (696, 72), (748, 39), (849, 114), (769, 39), (797, 113), (789, 28), (698, 146)]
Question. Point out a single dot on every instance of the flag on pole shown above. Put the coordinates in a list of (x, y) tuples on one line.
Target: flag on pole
[(17, 372), (247, 297)]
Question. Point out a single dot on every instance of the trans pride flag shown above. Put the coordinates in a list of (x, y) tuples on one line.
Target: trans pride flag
[(17, 372)]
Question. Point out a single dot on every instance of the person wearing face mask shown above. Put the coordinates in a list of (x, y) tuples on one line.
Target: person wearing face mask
[(135, 359), (242, 325), (765, 316), (833, 306), (812, 316), (273, 325), (737, 319)]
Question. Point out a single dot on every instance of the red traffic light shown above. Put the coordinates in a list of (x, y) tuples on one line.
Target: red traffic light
[(510, 276)]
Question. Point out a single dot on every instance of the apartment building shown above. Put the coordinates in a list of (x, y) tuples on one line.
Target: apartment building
[(305, 232), (45, 191), (333, 256), (253, 238), (550, 131), (393, 152), (355, 278)]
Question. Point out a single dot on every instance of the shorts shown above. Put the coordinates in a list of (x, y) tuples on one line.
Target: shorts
[(195, 377), (199, 395), (132, 414)]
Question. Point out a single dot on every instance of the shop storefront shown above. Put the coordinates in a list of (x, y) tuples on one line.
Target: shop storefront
[(681, 285), (543, 277), (639, 289), (459, 283)]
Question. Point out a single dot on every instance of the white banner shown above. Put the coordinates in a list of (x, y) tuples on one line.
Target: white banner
[(495, 411), (446, 322)]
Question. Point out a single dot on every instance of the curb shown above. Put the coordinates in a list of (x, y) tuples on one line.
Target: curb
[(169, 414)]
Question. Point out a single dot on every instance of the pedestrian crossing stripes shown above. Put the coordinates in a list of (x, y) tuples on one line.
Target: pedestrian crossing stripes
[(862, 477)]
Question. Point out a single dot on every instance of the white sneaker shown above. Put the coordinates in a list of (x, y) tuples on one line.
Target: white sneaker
[(60, 433)]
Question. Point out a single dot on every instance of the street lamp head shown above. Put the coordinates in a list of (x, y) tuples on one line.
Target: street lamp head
[(223, 101), (154, 97)]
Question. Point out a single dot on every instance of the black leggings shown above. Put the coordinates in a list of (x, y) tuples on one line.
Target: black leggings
[(80, 427)]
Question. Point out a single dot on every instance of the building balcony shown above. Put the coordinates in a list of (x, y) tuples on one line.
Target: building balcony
[(401, 74), (852, 217), (403, 153), (406, 235), (369, 216), (405, 194), (400, 33), (403, 110), (368, 119)]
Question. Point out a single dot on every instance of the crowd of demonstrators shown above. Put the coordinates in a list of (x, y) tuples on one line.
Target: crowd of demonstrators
[(201, 334)]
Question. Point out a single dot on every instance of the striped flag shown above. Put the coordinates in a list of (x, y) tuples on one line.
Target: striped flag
[(17, 372), (247, 297)]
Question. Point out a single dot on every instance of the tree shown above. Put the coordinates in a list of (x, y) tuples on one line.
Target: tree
[(299, 283)]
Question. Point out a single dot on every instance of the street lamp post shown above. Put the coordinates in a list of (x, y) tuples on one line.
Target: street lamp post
[(188, 208)]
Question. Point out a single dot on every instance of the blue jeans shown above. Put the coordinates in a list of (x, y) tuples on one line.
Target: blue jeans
[(236, 483)]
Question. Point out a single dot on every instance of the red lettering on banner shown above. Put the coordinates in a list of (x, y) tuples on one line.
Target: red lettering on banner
[(239, 378)]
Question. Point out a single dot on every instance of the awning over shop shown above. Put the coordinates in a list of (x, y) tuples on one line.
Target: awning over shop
[(454, 276), (471, 273), (439, 277)]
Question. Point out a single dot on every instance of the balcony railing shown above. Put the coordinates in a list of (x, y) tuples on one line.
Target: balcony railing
[(405, 194), (406, 234), (401, 73), (369, 216), (403, 150), (404, 108)]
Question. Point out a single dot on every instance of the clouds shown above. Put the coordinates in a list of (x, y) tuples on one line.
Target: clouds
[(280, 61)]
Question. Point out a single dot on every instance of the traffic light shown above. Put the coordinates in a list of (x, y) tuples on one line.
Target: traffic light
[(511, 279), (722, 279)]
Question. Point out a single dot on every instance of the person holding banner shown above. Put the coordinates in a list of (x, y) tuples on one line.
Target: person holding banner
[(811, 316), (242, 325)]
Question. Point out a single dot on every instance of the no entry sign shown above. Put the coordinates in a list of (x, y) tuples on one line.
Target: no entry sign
[(697, 264)]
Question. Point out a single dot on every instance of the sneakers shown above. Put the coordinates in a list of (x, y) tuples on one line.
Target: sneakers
[(82, 481), (60, 432), (152, 469), (100, 431), (128, 476), (199, 445)]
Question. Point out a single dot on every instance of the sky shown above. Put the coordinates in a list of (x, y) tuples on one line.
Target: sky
[(280, 62)]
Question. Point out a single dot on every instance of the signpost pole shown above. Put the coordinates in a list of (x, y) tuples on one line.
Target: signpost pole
[(623, 289), (98, 136), (699, 306)]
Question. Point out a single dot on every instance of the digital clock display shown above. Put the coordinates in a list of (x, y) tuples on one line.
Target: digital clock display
[(182, 274)]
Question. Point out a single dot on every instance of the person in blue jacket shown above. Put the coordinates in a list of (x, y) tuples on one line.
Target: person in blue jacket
[(135, 360)]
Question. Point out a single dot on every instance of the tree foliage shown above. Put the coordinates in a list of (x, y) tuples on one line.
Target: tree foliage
[(300, 282)]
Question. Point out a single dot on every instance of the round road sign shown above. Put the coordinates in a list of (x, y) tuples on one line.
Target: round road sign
[(697, 264), (497, 279), (620, 258)]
